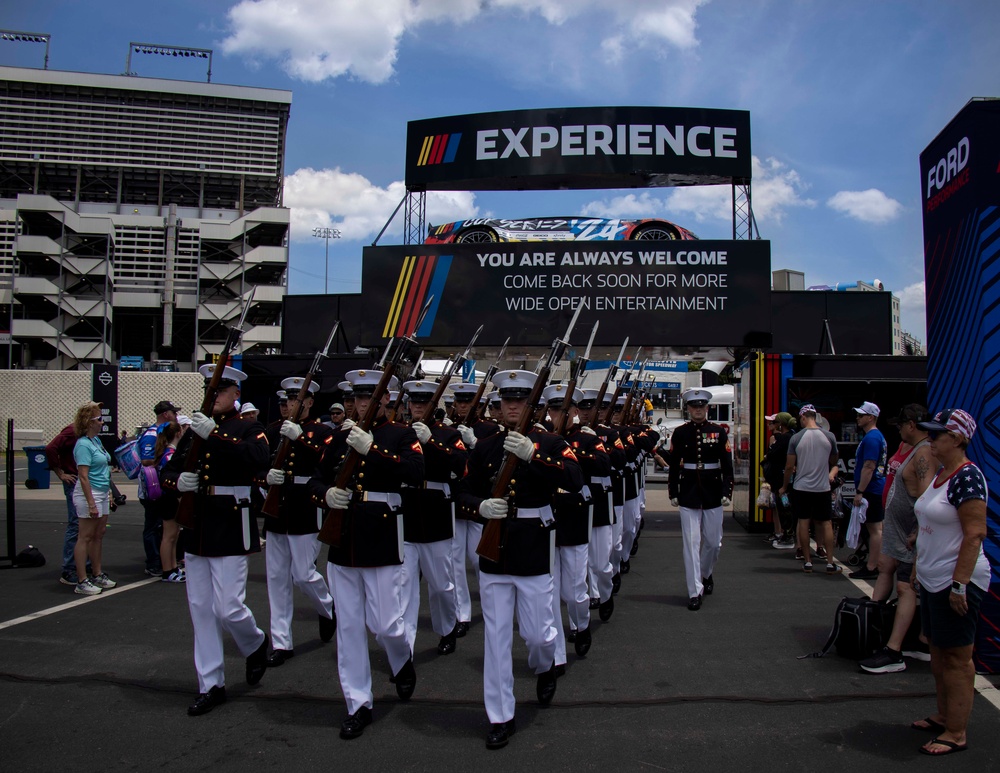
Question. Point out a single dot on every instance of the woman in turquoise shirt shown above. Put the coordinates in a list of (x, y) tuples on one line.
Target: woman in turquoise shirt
[(92, 499)]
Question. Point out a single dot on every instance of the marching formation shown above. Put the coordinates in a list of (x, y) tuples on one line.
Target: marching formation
[(536, 487)]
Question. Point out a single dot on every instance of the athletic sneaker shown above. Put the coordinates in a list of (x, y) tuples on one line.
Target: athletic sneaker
[(69, 578), (922, 652), (834, 569), (175, 576), (785, 543), (886, 661), (821, 552), (154, 572), (87, 588), (104, 582), (807, 567)]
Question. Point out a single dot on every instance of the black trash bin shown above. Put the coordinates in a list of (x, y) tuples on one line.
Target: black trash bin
[(38, 467)]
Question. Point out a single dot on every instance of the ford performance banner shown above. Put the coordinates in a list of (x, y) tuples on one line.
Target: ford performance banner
[(704, 293), (579, 148)]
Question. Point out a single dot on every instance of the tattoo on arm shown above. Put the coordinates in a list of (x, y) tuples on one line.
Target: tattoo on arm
[(922, 467)]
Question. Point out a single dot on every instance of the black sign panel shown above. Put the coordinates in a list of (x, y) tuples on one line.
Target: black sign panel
[(703, 293), (579, 148), (105, 390)]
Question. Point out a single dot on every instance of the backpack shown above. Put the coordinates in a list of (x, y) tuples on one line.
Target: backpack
[(29, 558), (861, 627)]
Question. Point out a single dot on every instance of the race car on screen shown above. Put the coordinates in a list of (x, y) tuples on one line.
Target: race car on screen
[(556, 229)]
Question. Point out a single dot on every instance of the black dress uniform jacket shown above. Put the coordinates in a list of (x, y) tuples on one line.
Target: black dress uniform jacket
[(691, 447), (298, 512), (427, 510), (574, 515), (372, 532), (232, 456), (526, 542), (611, 437)]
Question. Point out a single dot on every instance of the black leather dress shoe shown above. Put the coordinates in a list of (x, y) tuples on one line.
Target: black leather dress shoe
[(278, 657), (545, 688), (354, 724), (207, 701), (327, 626), (582, 643), (447, 644), (500, 733), (616, 582), (626, 567), (635, 546), (595, 603), (709, 584), (606, 609), (694, 604), (462, 628), (406, 680), (257, 662), (571, 635), (561, 669)]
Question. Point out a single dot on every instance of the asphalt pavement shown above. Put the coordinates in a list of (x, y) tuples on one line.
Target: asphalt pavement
[(102, 684)]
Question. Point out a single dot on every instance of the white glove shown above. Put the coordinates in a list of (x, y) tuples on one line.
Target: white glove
[(673, 501), (337, 498), (347, 424), (187, 481), (726, 501), (517, 444), (275, 477), (492, 509), (360, 440), (201, 425), (290, 430), (468, 436), (447, 422), (587, 430), (422, 430)]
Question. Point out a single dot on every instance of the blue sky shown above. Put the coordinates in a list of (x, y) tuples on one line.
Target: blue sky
[(842, 97)]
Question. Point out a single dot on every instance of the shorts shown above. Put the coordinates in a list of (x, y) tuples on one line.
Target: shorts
[(101, 498), (904, 571), (940, 624), (812, 505), (875, 512)]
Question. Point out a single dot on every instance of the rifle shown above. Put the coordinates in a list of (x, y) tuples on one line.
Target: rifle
[(333, 525), (627, 408), (604, 386), (618, 388), (490, 544), (185, 507), (446, 376), (490, 373), (399, 397), (581, 364), (272, 503)]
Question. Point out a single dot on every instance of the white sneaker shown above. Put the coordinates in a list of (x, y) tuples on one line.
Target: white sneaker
[(104, 582), (86, 588)]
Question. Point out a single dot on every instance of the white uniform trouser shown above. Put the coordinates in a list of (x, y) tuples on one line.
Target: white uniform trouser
[(702, 533), (569, 579), (599, 562), (371, 595), (532, 596), (434, 560), (291, 560), (463, 546), (216, 588), (630, 527), (616, 539)]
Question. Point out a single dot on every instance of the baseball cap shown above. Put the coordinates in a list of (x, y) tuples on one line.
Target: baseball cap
[(951, 420), (912, 412), (807, 408), (163, 406), (337, 407), (868, 408), (783, 418)]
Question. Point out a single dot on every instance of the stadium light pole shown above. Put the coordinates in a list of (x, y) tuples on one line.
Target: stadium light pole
[(15, 36), (162, 50), (327, 234)]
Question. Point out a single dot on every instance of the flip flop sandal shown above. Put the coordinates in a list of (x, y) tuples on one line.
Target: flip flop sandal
[(953, 748), (932, 726)]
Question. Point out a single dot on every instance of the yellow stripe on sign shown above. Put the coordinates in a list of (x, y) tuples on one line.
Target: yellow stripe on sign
[(399, 296), (425, 150)]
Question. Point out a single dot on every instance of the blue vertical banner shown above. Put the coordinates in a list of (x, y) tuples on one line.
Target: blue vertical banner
[(469, 371)]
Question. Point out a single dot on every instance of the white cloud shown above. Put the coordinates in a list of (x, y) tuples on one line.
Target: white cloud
[(870, 206), (913, 310), (319, 39), (331, 198)]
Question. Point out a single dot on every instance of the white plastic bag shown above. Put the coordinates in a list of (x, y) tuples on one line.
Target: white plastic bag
[(765, 500), (859, 514)]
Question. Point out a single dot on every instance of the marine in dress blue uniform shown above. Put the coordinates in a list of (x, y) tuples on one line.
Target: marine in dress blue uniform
[(701, 485), (234, 449)]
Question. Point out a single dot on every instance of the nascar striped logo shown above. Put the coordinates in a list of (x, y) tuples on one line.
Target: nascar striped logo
[(438, 149), (420, 277)]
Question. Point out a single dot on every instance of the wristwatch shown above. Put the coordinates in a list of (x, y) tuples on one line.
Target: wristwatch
[(957, 588)]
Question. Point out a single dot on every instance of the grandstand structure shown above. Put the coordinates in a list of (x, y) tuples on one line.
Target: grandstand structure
[(136, 214)]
